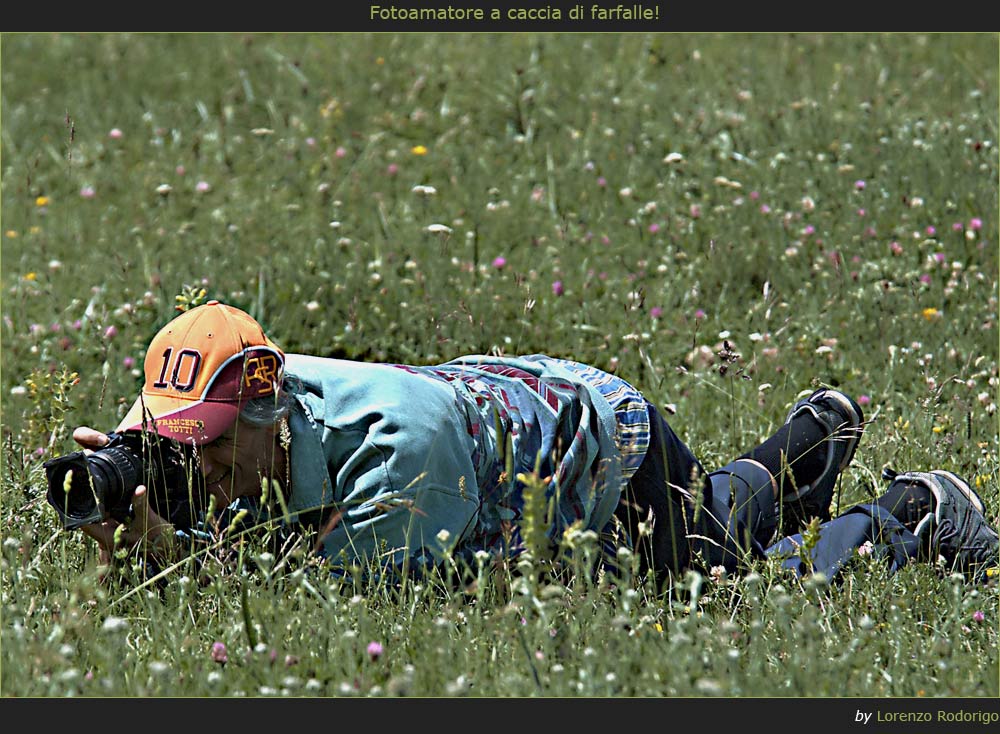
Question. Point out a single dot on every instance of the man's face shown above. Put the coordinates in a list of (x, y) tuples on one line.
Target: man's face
[(234, 463)]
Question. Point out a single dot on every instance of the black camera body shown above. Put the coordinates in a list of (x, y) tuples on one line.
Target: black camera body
[(102, 482)]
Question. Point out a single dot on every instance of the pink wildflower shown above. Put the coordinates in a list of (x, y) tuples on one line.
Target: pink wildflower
[(87, 192), (111, 332), (654, 228), (557, 288), (754, 195), (931, 230), (375, 650), (896, 248), (601, 181), (864, 399), (203, 187), (978, 616), (340, 152), (219, 653), (859, 185), (499, 262), (128, 362), (809, 230), (699, 314), (975, 224), (115, 134), (656, 312), (765, 209), (392, 169)]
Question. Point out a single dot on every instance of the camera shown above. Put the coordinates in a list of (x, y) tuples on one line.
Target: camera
[(84, 487)]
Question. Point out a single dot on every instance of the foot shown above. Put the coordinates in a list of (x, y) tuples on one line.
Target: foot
[(956, 529), (843, 421)]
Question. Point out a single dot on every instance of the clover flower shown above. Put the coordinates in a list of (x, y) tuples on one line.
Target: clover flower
[(219, 653)]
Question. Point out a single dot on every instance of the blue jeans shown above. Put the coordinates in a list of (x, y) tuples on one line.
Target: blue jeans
[(728, 517)]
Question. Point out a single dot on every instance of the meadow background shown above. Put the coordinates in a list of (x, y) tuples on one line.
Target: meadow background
[(827, 204)]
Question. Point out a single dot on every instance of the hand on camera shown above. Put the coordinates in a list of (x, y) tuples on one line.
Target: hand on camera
[(146, 532)]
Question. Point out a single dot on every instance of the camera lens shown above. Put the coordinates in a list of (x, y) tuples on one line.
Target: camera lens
[(101, 483)]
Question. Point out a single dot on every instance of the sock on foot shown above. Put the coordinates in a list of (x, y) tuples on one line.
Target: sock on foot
[(908, 503), (800, 441)]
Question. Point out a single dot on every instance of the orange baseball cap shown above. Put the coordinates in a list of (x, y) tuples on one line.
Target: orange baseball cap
[(201, 368)]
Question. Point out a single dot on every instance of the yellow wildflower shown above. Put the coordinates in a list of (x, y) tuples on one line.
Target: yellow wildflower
[(35, 230), (30, 276), (42, 201), (379, 61), (419, 150), (11, 233), (331, 107), (931, 313)]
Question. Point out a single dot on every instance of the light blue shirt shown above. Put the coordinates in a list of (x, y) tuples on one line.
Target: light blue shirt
[(403, 453)]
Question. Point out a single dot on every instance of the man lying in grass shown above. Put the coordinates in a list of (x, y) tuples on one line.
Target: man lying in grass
[(400, 467)]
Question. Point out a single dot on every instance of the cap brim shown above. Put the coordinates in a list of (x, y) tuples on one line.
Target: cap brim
[(188, 421)]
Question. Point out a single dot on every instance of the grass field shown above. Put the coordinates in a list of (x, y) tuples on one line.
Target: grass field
[(827, 204)]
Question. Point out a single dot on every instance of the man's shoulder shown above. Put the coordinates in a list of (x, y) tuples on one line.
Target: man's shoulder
[(376, 384)]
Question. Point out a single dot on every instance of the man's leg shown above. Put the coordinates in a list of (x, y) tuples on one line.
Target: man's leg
[(696, 518), (661, 493), (803, 459), (862, 529), (733, 512), (930, 516)]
